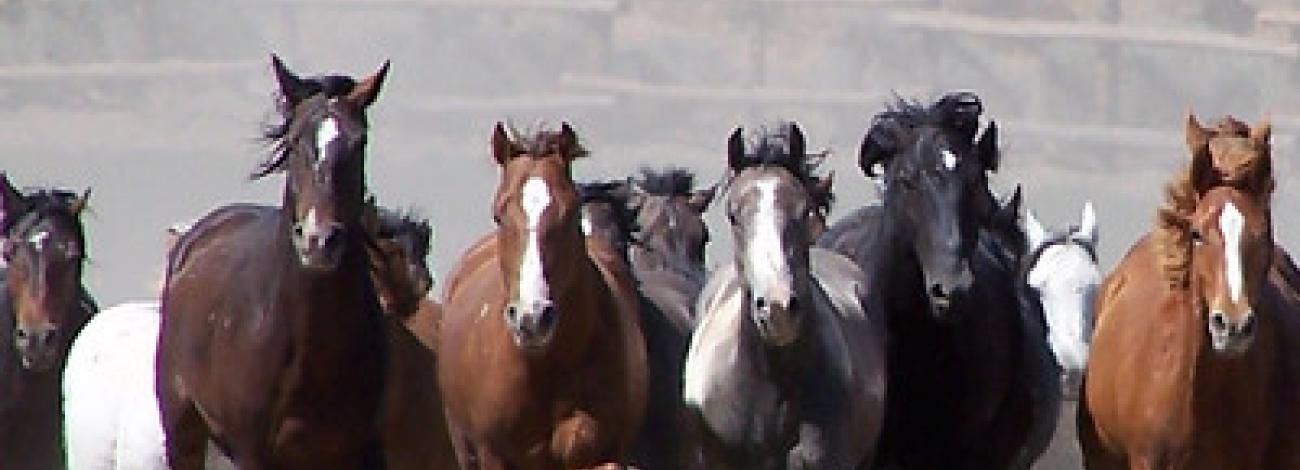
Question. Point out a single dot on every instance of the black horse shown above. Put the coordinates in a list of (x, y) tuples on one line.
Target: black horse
[(43, 305), (656, 221), (968, 355)]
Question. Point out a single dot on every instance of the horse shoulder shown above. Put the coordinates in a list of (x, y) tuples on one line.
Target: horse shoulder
[(853, 337), (482, 251)]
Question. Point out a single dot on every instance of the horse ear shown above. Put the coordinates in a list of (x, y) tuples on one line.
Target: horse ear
[(569, 146), (1198, 138), (798, 147), (293, 89), (12, 203), (823, 185), (987, 147), (79, 204), (1261, 133), (1034, 231), (736, 150), (367, 90), (370, 216), (879, 144), (502, 148), (1087, 225), (700, 199)]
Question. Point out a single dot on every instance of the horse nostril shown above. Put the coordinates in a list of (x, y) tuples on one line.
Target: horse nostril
[(760, 303), (1247, 325), (297, 230), (512, 313), (937, 291), (1218, 321), (547, 319)]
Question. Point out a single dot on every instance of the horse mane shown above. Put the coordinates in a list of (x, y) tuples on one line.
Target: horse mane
[(281, 134), (772, 148), (614, 194), (671, 181), (538, 142), (393, 224), (958, 110), (1248, 169), (46, 202)]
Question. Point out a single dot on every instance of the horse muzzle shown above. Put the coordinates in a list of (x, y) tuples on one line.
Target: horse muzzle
[(777, 320), (1231, 336), (532, 324), (319, 246), (945, 290), (38, 346)]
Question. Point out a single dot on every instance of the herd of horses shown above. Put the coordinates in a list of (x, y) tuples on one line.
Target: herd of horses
[(938, 328)]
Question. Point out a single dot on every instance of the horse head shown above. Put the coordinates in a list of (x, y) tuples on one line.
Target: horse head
[(321, 146), (537, 211), (768, 205), (934, 172), (44, 249)]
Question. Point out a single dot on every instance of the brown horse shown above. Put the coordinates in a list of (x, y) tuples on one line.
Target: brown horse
[(541, 360), (272, 341), (42, 308), (415, 430), (1189, 366)]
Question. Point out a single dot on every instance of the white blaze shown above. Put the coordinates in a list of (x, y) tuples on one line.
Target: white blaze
[(325, 134), (532, 281), (1231, 223), (767, 267), (949, 160)]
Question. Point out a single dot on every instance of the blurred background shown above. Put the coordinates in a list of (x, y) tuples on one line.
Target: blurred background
[(156, 104)]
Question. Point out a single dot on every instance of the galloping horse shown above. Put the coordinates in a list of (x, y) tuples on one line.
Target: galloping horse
[(786, 368), (43, 306), (272, 341), (657, 220), (970, 375), (1193, 362), (541, 361), (1061, 270)]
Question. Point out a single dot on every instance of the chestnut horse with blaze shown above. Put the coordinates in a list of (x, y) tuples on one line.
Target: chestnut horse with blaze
[(1193, 360), (541, 360)]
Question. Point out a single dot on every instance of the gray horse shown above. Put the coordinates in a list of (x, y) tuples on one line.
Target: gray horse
[(786, 369)]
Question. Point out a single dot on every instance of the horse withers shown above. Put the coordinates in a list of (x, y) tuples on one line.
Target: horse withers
[(271, 340), (1191, 364), (541, 360), (43, 306), (786, 368)]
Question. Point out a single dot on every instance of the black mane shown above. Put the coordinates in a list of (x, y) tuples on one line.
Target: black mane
[(670, 181), (958, 110), (281, 134), (771, 147), (394, 224), (613, 193)]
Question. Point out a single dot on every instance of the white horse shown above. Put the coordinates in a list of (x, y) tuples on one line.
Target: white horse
[(1062, 270), (110, 409)]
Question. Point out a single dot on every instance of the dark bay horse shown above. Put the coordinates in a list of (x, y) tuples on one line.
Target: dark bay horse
[(1194, 362), (786, 368), (415, 430), (657, 220), (272, 341), (541, 360), (43, 305), (970, 373)]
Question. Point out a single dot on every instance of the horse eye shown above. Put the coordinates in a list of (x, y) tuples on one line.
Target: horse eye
[(1197, 238)]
